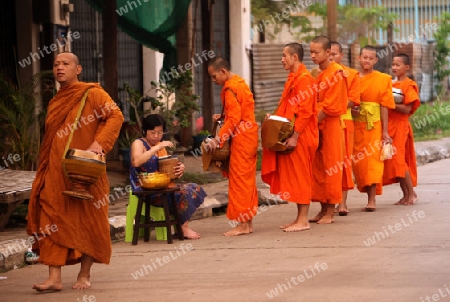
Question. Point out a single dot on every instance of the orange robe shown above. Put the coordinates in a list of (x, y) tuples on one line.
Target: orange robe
[(327, 170), (401, 132), (352, 77), (241, 126), (375, 87), (290, 175), (82, 228)]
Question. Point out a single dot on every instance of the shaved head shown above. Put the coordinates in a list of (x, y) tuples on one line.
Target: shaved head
[(404, 57), (218, 63), (369, 48), (338, 44), (324, 40), (295, 48), (75, 57)]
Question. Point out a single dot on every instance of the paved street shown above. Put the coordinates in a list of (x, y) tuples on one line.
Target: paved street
[(398, 253)]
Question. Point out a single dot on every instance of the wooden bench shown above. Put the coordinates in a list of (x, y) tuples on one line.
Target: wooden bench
[(15, 188)]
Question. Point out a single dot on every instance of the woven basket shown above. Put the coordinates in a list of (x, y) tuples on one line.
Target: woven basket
[(167, 165)]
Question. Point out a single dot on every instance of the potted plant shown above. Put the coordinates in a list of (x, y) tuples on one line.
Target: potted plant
[(126, 138), (178, 116), (198, 139)]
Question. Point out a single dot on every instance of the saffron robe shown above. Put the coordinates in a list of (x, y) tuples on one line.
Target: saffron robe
[(332, 100), (82, 227), (402, 135), (290, 175), (241, 127), (376, 87), (352, 77)]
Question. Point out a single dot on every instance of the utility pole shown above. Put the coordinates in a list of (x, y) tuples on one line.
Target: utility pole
[(332, 19), (109, 19)]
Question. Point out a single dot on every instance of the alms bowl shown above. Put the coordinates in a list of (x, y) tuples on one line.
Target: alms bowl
[(86, 163)]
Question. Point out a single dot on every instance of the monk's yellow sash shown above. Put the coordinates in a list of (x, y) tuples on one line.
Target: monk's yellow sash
[(369, 113), (348, 115)]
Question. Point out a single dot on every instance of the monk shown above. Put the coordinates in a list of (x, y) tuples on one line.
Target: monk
[(81, 230), (332, 101), (298, 101), (336, 55), (402, 167), (239, 126), (371, 126)]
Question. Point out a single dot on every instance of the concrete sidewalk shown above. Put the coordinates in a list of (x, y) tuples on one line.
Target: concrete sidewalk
[(399, 253)]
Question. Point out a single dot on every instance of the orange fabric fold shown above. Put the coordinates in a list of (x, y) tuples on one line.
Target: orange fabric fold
[(82, 226), (367, 168), (349, 130), (240, 125), (401, 132), (353, 84), (290, 175), (327, 166), (347, 175)]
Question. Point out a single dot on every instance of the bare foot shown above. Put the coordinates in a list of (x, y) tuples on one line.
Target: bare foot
[(242, 229), (336, 209), (190, 234), (369, 209), (48, 285), (82, 283), (325, 220), (285, 226), (317, 217), (297, 227), (401, 201)]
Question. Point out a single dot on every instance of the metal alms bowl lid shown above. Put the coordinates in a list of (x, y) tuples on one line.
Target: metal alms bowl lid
[(87, 156)]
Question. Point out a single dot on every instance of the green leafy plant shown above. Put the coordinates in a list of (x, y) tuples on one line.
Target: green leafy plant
[(441, 53), (262, 10), (178, 115), (20, 122), (136, 101), (354, 23), (204, 133), (127, 137)]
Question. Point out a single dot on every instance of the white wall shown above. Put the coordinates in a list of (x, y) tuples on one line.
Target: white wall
[(240, 38), (152, 62)]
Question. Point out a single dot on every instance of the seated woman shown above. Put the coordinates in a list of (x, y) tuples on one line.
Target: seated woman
[(144, 158)]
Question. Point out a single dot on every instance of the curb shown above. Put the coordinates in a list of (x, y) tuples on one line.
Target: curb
[(12, 252), (427, 152)]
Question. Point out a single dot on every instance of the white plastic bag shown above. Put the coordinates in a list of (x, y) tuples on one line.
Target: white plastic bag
[(386, 152)]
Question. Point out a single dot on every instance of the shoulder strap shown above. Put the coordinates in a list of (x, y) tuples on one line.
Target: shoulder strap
[(144, 142), (74, 126), (223, 108)]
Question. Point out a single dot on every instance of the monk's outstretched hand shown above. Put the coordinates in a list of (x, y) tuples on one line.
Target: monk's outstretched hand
[(212, 145)]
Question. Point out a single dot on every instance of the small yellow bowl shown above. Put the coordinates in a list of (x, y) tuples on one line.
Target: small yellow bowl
[(154, 181)]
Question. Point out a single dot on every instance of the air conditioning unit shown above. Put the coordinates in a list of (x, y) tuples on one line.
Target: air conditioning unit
[(52, 11)]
